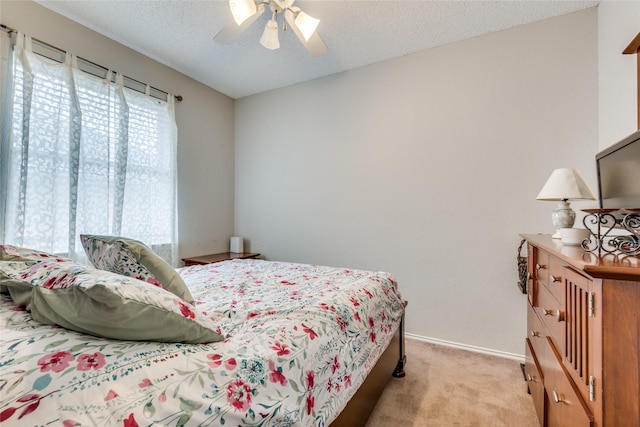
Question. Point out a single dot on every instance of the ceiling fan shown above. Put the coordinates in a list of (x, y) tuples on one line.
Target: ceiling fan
[(246, 12)]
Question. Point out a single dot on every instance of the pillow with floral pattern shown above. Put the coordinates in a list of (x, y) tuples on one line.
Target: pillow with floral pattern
[(133, 258), (15, 253), (109, 305), (10, 254)]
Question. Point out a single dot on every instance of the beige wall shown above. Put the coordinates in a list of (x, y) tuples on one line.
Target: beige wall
[(204, 118), (618, 23), (426, 166)]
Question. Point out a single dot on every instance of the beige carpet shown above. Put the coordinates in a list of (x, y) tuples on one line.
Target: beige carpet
[(447, 387)]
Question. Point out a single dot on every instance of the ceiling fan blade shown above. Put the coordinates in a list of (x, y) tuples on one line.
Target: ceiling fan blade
[(232, 31), (315, 46)]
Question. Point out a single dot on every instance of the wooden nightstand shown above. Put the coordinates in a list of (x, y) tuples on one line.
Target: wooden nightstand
[(225, 256)]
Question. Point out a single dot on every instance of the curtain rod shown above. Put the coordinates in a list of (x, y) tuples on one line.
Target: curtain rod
[(62, 51)]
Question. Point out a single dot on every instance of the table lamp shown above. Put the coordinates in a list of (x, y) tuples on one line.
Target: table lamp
[(563, 185)]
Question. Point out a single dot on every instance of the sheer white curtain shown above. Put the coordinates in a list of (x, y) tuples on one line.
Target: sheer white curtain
[(85, 155)]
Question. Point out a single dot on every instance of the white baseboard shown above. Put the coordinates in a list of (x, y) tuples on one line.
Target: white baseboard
[(513, 356)]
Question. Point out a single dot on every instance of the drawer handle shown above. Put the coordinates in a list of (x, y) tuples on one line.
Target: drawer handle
[(531, 378), (540, 267), (556, 397), (557, 313), (556, 279), (529, 276), (535, 334)]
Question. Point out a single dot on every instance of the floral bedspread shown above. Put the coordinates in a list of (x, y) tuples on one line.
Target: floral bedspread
[(300, 340)]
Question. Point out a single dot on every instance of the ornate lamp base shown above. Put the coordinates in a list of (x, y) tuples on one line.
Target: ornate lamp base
[(563, 217)]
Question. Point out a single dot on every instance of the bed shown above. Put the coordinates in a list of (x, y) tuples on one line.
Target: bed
[(280, 344)]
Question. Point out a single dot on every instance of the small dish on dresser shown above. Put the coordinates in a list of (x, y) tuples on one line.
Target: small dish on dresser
[(573, 236)]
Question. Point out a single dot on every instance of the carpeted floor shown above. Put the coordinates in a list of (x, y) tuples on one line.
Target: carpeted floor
[(446, 387)]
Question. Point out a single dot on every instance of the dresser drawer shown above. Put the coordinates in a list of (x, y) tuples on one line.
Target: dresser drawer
[(538, 340), (549, 272), (555, 280), (552, 314), (565, 407), (541, 267), (535, 382)]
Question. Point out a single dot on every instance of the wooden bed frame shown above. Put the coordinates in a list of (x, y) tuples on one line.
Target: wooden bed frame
[(361, 405)]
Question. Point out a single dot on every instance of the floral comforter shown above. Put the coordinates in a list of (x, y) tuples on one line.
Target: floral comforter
[(300, 340)]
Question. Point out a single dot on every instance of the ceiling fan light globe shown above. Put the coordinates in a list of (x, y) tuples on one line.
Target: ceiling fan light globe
[(306, 24), (269, 37), (242, 10)]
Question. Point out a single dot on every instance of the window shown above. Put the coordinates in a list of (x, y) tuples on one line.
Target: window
[(84, 154)]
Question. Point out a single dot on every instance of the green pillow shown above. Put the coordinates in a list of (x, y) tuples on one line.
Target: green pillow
[(133, 258), (110, 305)]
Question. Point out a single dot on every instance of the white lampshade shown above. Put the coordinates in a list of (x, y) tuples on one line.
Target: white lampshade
[(307, 24), (242, 9), (565, 184), (269, 38)]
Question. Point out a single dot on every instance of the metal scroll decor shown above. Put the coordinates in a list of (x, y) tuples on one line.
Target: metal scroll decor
[(602, 222)]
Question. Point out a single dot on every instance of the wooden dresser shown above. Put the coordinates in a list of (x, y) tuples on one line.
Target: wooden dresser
[(583, 346)]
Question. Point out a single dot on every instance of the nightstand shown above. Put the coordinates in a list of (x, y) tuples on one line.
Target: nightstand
[(224, 256)]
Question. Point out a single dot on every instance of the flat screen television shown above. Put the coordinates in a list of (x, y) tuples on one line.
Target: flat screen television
[(618, 170)]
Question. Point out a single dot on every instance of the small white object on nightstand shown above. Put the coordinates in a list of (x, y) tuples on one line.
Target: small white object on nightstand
[(236, 245)]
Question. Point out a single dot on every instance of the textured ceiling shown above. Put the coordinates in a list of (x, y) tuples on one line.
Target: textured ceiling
[(180, 34)]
